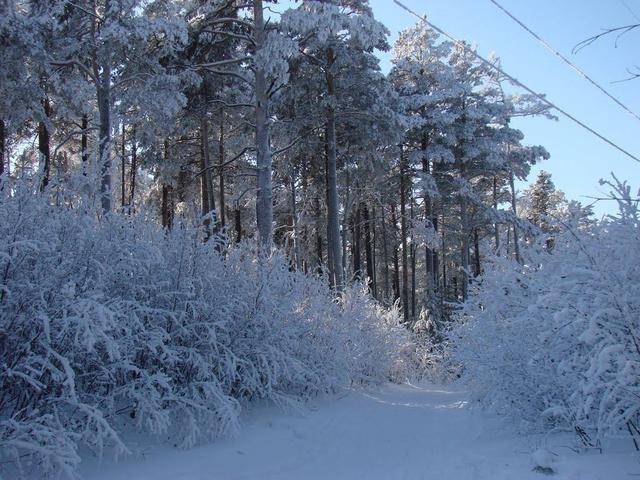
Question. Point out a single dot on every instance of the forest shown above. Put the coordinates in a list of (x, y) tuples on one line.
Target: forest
[(207, 205)]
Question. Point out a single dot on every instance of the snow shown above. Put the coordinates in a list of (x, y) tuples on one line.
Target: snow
[(394, 432)]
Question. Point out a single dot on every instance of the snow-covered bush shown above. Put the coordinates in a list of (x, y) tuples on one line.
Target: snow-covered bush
[(112, 317), (375, 340), (556, 342), (433, 353)]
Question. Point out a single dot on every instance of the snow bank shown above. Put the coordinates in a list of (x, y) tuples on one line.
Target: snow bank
[(101, 318)]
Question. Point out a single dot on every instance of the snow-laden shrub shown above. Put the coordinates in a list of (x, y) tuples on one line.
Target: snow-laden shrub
[(375, 340), (556, 342), (433, 353), (112, 317)]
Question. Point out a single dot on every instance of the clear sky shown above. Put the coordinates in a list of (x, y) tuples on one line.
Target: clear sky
[(578, 159)]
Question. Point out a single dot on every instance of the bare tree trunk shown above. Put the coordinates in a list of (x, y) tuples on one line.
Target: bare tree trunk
[(44, 146), (294, 225), (204, 188), (318, 227), (167, 206), (434, 253), (396, 263), (464, 262), (515, 213), (345, 221), (333, 228), (167, 196), (264, 202), (443, 260), (3, 135), (430, 267), (413, 269), (238, 224), (476, 250), (357, 248), (368, 249), (403, 233), (221, 172), (496, 228), (84, 143), (208, 198), (101, 65), (374, 257), (319, 251), (464, 238), (329, 232), (104, 109), (123, 186), (385, 255), (134, 169)]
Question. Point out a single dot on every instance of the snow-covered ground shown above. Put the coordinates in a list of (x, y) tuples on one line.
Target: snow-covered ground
[(402, 432)]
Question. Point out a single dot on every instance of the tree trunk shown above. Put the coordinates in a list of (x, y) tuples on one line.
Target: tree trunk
[(430, 267), (464, 262), (413, 269), (374, 261), (403, 233), (396, 263), (238, 222), (326, 197), (167, 196), (385, 256), (443, 260), (516, 245), (318, 227), (476, 250), (294, 223), (464, 237), (333, 228), (221, 172), (204, 184), (345, 221), (264, 202), (44, 146), (208, 198), (84, 143), (357, 248), (496, 229), (104, 110), (101, 65), (134, 168), (167, 206), (123, 186), (368, 249), (3, 136), (435, 255)]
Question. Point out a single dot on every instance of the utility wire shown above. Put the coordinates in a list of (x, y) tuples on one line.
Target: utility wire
[(631, 11), (515, 81), (577, 69)]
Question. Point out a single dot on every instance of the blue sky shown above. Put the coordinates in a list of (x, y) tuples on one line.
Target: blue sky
[(578, 159)]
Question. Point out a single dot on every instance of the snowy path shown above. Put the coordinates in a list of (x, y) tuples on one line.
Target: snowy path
[(399, 432)]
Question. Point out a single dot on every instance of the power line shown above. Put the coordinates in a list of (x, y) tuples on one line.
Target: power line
[(515, 81), (631, 11), (577, 69)]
